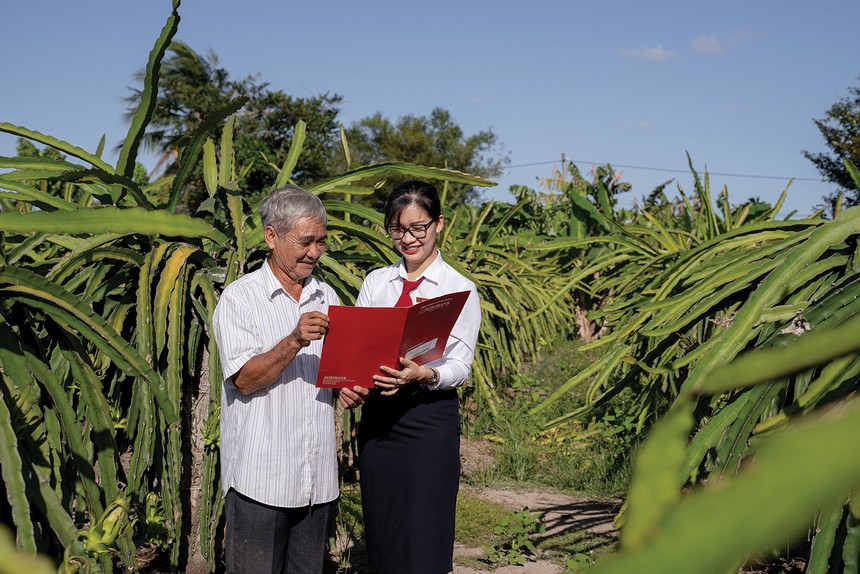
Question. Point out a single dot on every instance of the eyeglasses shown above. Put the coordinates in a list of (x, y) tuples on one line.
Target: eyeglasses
[(418, 231)]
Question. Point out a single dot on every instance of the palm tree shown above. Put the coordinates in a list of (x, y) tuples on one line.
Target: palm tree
[(189, 86)]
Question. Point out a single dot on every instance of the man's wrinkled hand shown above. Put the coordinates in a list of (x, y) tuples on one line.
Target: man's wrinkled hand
[(351, 398), (312, 327)]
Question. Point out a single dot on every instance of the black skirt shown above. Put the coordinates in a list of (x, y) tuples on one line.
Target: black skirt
[(409, 465)]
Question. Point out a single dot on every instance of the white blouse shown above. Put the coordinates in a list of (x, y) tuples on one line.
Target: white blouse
[(382, 288)]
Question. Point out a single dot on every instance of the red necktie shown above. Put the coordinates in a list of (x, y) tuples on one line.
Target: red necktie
[(408, 286)]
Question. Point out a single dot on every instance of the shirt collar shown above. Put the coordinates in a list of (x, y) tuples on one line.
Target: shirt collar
[(433, 273), (310, 287)]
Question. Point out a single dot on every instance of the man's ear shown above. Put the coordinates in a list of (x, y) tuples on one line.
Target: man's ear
[(270, 235)]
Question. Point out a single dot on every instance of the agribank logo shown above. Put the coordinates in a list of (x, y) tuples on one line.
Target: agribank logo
[(435, 306), (335, 379)]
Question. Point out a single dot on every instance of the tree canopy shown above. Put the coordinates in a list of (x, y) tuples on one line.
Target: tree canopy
[(841, 130), (434, 140), (191, 85)]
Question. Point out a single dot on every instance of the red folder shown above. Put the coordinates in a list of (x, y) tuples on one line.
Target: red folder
[(361, 339)]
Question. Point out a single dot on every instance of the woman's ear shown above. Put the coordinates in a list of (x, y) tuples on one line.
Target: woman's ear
[(440, 223)]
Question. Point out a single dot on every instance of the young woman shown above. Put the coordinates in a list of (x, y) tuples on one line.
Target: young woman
[(409, 435)]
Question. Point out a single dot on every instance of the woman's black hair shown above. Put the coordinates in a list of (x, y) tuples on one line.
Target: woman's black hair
[(412, 192)]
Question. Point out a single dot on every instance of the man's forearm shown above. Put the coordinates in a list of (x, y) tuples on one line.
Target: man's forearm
[(261, 371)]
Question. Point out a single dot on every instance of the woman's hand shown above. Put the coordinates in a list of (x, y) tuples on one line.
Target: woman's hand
[(412, 372)]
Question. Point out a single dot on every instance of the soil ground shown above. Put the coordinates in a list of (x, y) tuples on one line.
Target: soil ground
[(561, 514)]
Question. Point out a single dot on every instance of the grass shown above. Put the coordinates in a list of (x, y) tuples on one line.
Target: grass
[(483, 524), (589, 456), (578, 550), (475, 520), (475, 517)]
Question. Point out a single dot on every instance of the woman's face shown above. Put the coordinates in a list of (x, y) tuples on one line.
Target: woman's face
[(416, 250)]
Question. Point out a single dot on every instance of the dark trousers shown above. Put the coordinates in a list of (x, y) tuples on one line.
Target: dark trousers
[(262, 538)]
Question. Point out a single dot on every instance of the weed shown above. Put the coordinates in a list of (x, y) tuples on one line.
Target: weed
[(475, 519), (590, 456), (348, 526), (512, 540), (579, 563)]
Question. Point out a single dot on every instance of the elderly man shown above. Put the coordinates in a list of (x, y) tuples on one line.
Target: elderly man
[(278, 450)]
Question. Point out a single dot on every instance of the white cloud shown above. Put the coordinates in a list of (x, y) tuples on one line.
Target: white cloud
[(475, 100), (655, 54), (707, 45)]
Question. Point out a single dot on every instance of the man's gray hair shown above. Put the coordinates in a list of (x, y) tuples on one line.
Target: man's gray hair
[(284, 207)]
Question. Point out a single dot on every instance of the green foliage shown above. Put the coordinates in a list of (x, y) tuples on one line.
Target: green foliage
[(513, 539), (840, 128), (426, 140), (741, 338), (153, 522), (590, 457), (577, 207), (580, 562), (102, 535), (485, 244), (348, 526), (695, 305), (578, 213), (14, 562), (107, 298), (92, 544), (192, 86), (660, 289), (475, 520), (791, 478)]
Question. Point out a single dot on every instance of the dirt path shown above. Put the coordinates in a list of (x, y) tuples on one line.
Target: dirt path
[(566, 514), (561, 514)]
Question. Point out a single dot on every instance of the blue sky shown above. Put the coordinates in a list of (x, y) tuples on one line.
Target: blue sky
[(636, 84)]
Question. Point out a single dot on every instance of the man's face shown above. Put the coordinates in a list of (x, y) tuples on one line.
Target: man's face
[(295, 253)]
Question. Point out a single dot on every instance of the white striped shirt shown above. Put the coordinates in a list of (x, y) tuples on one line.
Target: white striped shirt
[(278, 443), (382, 288)]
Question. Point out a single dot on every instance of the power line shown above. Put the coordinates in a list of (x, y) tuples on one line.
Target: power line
[(669, 170), (531, 164)]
